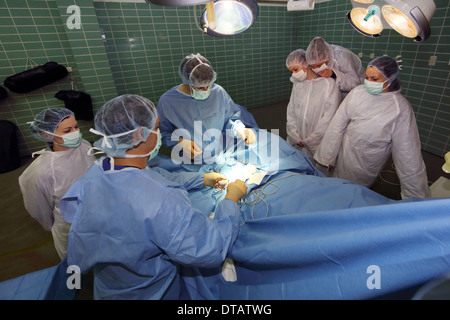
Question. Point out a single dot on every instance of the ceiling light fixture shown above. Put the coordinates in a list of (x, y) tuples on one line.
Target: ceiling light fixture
[(230, 17), (221, 18)]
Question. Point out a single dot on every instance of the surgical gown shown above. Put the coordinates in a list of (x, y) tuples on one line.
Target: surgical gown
[(348, 69), (309, 112), (45, 182), (135, 227), (365, 130), (177, 110)]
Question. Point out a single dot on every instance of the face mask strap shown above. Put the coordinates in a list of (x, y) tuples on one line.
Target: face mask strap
[(90, 153), (147, 154), (105, 142)]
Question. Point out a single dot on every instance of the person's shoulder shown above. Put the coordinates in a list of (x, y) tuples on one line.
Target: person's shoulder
[(402, 101), (359, 90), (217, 90), (41, 162), (170, 92), (38, 172)]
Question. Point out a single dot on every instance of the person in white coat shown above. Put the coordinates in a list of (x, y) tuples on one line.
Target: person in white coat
[(313, 103), (47, 179), (373, 122), (333, 61)]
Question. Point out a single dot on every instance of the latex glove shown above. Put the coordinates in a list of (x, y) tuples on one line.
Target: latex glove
[(214, 179), (189, 148), (236, 190), (247, 134)]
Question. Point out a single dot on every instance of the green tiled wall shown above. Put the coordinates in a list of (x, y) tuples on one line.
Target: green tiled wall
[(134, 47), (146, 43), (33, 33)]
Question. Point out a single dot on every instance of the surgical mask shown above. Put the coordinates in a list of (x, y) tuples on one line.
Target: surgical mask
[(152, 153), (321, 68), (373, 87), (71, 140), (299, 76), (200, 94)]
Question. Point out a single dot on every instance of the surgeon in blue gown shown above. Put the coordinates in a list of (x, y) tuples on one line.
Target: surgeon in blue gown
[(193, 112), (134, 225)]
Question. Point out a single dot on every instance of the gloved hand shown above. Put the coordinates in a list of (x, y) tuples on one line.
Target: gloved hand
[(212, 179), (236, 190), (189, 147), (247, 134)]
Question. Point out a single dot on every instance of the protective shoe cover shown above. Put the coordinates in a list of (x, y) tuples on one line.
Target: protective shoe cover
[(312, 105), (135, 227), (45, 182), (365, 130)]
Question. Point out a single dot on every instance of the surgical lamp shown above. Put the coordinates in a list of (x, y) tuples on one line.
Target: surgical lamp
[(410, 18), (221, 18)]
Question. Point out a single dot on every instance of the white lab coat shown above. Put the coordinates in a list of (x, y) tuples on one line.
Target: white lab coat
[(312, 105), (348, 69), (45, 182), (364, 131)]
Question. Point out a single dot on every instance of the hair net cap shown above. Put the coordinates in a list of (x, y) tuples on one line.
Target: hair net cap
[(387, 66), (118, 121), (297, 58), (318, 51), (196, 71), (48, 120)]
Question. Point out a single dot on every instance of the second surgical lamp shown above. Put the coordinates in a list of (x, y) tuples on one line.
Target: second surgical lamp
[(410, 18)]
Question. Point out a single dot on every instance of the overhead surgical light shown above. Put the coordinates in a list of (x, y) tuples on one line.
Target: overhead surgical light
[(410, 18), (221, 18), (231, 17), (367, 21)]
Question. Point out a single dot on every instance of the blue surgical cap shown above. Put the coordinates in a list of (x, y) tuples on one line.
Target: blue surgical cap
[(119, 121), (196, 71), (47, 121), (387, 66), (297, 58)]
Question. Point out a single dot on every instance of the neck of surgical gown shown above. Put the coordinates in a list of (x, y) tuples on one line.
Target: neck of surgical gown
[(203, 121)]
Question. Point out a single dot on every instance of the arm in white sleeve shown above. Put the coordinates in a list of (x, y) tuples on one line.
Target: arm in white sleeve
[(333, 98), (328, 149), (38, 197), (407, 157), (349, 70), (291, 122)]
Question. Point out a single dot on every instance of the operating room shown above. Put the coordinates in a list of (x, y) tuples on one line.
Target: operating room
[(318, 237)]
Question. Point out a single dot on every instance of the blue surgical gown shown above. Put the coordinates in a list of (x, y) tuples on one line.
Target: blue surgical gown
[(177, 110), (135, 227)]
